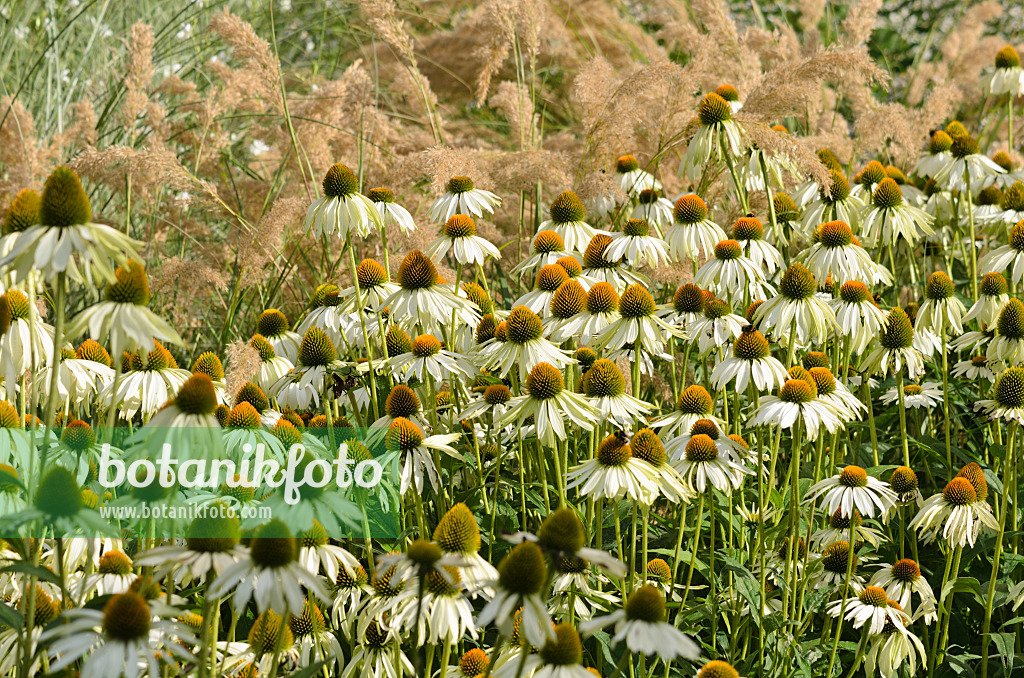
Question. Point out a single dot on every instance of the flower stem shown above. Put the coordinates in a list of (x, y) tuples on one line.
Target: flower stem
[(986, 627), (845, 593), (903, 418)]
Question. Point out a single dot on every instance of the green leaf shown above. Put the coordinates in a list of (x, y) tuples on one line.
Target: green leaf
[(310, 670), (1004, 643), (11, 617), (40, 573)]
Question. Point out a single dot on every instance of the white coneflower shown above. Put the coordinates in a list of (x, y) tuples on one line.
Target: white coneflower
[(637, 323), (444, 615), (839, 528), (1007, 401), (837, 254), (1008, 76), (717, 134), (65, 239), (733, 448), (83, 374), (559, 657), (797, 401), (694, 404), (786, 215), (701, 466), (343, 210), (525, 346), (966, 158), (913, 194), (937, 157), (992, 296), (270, 640), (124, 315), (867, 179), (272, 366), (805, 192), (378, 654), (427, 357), (646, 446), (896, 348), (550, 404), (853, 489), (839, 204), (313, 641), (424, 301), (26, 343), (894, 651), (636, 244), (605, 388), (977, 367), (328, 314), (461, 197), (149, 383), (1009, 256), (729, 272), (615, 473), (859, 318), (750, 362), (632, 179), (888, 217), (122, 637), (986, 209), (193, 405), (923, 396), (871, 608), (1008, 344), (686, 307), (274, 326), (317, 553), (577, 590), (834, 560), (402, 401), (390, 211), (958, 512), (902, 579), (548, 280), (272, 574), (717, 326), (941, 309), (113, 574), (522, 575), (458, 533), (460, 237), (1009, 209), (548, 248), (211, 545), (749, 233), (656, 209), (407, 440), (601, 309), (641, 624), (566, 310), (597, 265), (718, 669), (308, 380), (374, 288), (798, 308), (834, 393), (568, 221), (692, 235)]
